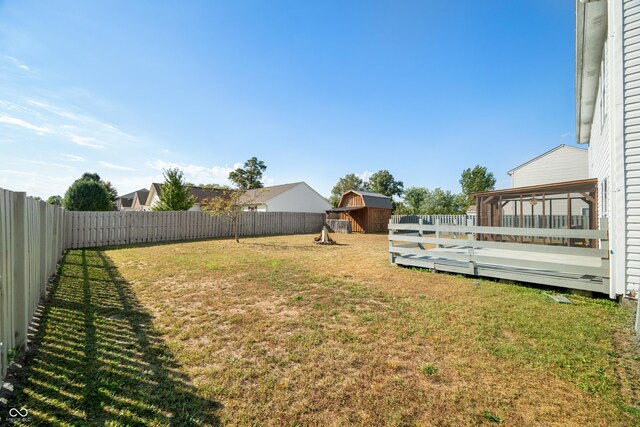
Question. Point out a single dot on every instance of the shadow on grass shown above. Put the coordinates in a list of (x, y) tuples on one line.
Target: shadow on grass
[(99, 360)]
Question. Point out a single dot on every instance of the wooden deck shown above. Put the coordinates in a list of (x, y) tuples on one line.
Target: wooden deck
[(460, 252)]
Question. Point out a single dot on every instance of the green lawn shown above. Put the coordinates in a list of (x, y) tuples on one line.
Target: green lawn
[(277, 331)]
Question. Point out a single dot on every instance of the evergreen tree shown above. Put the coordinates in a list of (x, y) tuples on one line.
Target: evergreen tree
[(174, 195)]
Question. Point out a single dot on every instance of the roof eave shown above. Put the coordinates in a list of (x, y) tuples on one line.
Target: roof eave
[(591, 32)]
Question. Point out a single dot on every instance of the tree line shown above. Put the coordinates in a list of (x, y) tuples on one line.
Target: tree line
[(419, 200), (91, 193)]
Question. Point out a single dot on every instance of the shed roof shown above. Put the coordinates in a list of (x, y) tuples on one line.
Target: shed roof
[(346, 209), (372, 200)]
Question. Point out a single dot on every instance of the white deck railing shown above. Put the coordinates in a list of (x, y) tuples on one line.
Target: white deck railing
[(466, 249)]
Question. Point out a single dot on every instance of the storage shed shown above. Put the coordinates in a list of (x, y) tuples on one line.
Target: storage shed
[(368, 212)]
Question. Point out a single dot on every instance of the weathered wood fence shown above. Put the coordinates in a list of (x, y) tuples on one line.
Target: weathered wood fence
[(34, 235), (31, 244), (91, 229)]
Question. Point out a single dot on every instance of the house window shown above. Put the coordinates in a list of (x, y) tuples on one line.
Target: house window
[(604, 198)]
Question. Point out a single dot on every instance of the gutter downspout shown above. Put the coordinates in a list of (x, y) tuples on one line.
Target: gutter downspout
[(618, 221)]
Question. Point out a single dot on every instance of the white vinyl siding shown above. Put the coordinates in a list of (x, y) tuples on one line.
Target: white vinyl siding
[(599, 145), (300, 198), (561, 165), (631, 64)]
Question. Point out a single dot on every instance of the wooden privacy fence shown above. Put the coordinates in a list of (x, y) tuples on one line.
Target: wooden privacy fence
[(31, 244), (91, 229), (457, 249)]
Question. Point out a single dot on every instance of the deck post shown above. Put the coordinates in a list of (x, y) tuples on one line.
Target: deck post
[(472, 263), (392, 257), (569, 216)]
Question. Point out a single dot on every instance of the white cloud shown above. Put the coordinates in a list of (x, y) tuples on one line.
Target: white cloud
[(24, 67), (196, 173), (57, 165), (16, 172), (24, 124), (85, 141), (118, 167), (35, 184), (79, 119), (73, 158)]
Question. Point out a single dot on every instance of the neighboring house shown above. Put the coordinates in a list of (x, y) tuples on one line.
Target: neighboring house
[(139, 200), (608, 119), (200, 194), (126, 202), (563, 163), (294, 197), (368, 212)]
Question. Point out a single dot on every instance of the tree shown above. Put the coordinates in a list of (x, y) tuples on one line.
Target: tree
[(249, 177), (230, 205), (90, 176), (174, 195), (476, 180), (216, 186), (415, 199), (111, 190), (441, 202), (348, 182), (383, 182), (55, 200), (87, 195)]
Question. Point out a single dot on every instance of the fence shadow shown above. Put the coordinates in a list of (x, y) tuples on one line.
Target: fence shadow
[(99, 360)]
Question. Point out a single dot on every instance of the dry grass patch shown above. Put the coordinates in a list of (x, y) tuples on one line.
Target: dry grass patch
[(278, 331)]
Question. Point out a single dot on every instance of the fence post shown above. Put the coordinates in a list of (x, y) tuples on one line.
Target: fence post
[(420, 232), (438, 232), (392, 257), (44, 247), (472, 263), (20, 267)]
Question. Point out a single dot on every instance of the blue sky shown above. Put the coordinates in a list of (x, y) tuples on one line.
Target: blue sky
[(315, 89)]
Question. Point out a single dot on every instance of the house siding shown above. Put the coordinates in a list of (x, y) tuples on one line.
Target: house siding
[(631, 105), (561, 165), (599, 145), (300, 198)]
